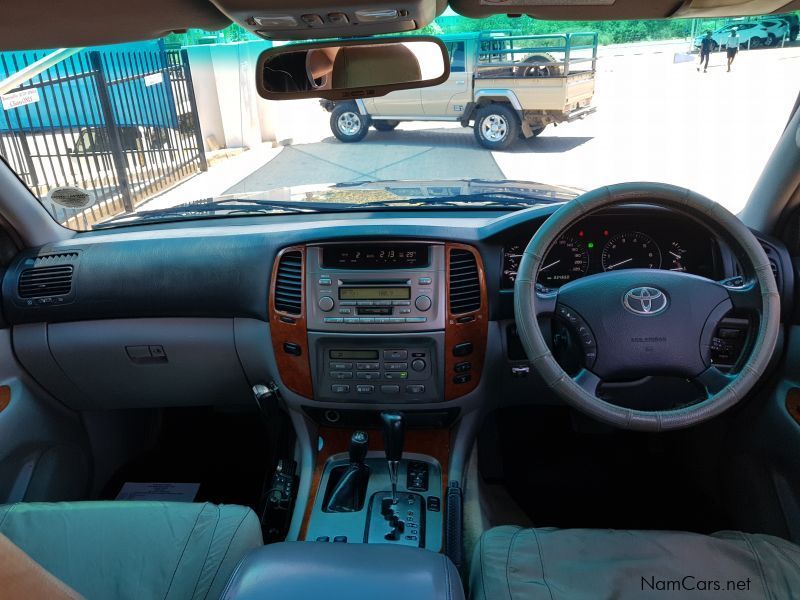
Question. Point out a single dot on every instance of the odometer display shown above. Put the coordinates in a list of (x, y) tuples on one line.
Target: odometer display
[(631, 250), (568, 259)]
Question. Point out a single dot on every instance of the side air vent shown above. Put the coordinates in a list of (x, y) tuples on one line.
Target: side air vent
[(465, 284), (773, 264), (289, 283), (42, 282)]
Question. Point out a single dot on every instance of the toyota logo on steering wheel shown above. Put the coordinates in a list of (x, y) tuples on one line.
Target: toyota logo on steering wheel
[(645, 301)]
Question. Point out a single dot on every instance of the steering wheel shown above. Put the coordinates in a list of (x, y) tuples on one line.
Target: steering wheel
[(639, 322)]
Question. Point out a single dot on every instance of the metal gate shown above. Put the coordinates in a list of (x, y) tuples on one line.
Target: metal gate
[(121, 124)]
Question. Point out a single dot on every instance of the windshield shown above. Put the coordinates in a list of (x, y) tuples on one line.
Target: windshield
[(533, 112)]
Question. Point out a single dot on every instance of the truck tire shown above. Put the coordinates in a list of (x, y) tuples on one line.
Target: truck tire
[(385, 125), (553, 70), (347, 124), (497, 126)]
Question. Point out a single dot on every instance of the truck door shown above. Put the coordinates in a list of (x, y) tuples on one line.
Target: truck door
[(401, 103), (449, 99)]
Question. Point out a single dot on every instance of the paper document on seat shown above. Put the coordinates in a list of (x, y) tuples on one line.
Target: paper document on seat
[(165, 492)]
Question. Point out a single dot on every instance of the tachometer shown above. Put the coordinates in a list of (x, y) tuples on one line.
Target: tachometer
[(631, 250), (567, 259)]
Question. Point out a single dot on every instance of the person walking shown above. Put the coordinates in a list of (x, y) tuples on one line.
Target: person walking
[(732, 44), (706, 45)]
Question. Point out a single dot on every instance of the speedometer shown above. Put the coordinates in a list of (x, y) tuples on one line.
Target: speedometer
[(567, 259), (631, 250)]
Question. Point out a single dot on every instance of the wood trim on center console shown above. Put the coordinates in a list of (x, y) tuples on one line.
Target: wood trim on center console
[(5, 397), (431, 442), (465, 328), (285, 328)]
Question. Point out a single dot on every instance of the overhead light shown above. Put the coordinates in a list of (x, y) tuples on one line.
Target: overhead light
[(276, 22), (367, 16)]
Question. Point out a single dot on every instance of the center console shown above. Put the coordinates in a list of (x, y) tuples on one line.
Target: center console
[(400, 322)]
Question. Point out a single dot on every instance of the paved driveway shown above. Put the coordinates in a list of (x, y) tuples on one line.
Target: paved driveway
[(438, 153)]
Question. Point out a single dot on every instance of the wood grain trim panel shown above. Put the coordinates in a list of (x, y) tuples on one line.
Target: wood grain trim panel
[(433, 442), (793, 404), (474, 331), (5, 397), (295, 371)]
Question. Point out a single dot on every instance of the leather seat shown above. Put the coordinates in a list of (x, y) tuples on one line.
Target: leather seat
[(109, 550), (513, 563)]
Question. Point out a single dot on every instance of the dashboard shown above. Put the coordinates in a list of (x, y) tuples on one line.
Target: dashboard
[(620, 241), (345, 311)]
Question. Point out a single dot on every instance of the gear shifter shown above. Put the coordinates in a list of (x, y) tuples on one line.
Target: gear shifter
[(393, 438), (348, 494)]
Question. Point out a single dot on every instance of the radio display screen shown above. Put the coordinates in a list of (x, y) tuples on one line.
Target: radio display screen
[(397, 256), (355, 354), (374, 293)]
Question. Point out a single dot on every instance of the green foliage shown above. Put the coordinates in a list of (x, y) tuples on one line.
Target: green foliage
[(609, 32)]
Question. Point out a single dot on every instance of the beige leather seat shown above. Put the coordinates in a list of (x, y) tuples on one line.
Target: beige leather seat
[(136, 550), (512, 563)]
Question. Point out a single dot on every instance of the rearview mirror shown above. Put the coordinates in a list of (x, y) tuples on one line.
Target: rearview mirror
[(351, 69)]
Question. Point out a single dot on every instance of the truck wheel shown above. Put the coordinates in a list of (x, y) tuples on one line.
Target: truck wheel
[(497, 126), (385, 125), (771, 40), (347, 124), (539, 70)]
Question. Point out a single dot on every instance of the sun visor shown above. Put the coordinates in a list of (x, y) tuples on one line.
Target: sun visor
[(318, 19), (620, 10), (728, 8), (569, 10)]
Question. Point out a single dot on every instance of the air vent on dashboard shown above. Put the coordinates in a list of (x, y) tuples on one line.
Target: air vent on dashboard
[(42, 282), (773, 264), (289, 283), (465, 286)]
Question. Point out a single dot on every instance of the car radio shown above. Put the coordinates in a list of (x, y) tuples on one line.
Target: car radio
[(362, 287)]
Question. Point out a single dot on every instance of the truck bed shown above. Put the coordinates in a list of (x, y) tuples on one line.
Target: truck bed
[(551, 94)]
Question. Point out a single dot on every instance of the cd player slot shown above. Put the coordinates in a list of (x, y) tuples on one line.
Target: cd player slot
[(375, 282)]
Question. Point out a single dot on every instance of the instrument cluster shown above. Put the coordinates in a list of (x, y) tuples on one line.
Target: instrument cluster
[(609, 243)]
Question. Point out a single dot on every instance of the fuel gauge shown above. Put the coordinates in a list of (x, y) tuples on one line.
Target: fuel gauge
[(677, 257)]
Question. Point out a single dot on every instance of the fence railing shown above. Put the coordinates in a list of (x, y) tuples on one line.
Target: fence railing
[(121, 124)]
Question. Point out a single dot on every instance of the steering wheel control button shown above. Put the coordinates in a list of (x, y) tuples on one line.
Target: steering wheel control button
[(579, 327), (462, 349), (423, 303)]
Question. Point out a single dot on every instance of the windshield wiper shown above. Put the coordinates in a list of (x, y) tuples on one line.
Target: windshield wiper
[(509, 200), (205, 209)]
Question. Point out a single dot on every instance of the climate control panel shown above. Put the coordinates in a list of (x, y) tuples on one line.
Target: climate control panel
[(381, 368)]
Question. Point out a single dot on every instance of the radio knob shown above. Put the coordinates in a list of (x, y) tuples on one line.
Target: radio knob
[(325, 303), (422, 303), (418, 364)]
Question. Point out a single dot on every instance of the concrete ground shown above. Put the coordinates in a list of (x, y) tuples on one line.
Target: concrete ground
[(657, 120)]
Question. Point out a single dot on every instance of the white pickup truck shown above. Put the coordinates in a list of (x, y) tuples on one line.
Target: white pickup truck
[(503, 85)]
